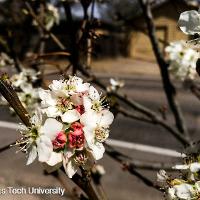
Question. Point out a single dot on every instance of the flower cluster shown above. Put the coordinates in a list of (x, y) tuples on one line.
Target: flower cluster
[(24, 83), (187, 185), (182, 60), (71, 127)]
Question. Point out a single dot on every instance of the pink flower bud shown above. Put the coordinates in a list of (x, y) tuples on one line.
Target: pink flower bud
[(76, 138), (60, 140), (80, 109), (77, 126)]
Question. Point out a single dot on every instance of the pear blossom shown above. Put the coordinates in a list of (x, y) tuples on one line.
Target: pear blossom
[(93, 101), (24, 84), (96, 126), (162, 176), (184, 191), (36, 140), (171, 194), (182, 60), (98, 169), (74, 126), (187, 186), (52, 16), (63, 98), (115, 85), (24, 77)]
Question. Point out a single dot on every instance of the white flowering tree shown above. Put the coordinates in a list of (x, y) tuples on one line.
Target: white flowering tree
[(66, 122)]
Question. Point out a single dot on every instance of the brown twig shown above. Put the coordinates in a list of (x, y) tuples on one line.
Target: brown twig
[(51, 35), (135, 105), (168, 86), (133, 163), (10, 95)]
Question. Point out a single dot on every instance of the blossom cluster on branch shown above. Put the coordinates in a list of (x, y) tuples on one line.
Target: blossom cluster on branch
[(182, 60), (25, 84), (186, 185), (70, 127)]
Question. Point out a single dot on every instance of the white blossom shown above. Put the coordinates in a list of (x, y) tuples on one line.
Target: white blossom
[(182, 60), (77, 124), (162, 176), (184, 191), (96, 126), (115, 85), (37, 138)]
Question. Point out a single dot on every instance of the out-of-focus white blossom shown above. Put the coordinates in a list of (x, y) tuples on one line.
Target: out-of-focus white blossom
[(24, 77), (28, 94), (98, 169), (182, 60), (51, 16), (187, 185), (162, 176), (115, 85), (184, 191)]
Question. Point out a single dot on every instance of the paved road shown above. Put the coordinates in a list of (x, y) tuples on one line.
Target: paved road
[(148, 92)]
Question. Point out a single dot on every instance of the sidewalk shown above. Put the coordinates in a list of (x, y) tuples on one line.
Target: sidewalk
[(125, 67)]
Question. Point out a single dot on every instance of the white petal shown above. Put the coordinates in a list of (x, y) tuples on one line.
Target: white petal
[(70, 168), (113, 82), (106, 118), (44, 148), (195, 167), (76, 99), (184, 191), (57, 85), (89, 119), (87, 103), (47, 99), (52, 111), (82, 87), (37, 117), (54, 159), (32, 155), (27, 88), (89, 135), (93, 93), (70, 116), (51, 127), (197, 185), (171, 193), (97, 150), (189, 22)]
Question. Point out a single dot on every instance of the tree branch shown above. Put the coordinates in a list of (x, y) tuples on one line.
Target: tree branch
[(168, 86)]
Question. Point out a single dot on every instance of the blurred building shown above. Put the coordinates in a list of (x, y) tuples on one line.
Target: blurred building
[(166, 15)]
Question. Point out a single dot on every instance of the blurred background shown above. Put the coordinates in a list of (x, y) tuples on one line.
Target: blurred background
[(121, 50)]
